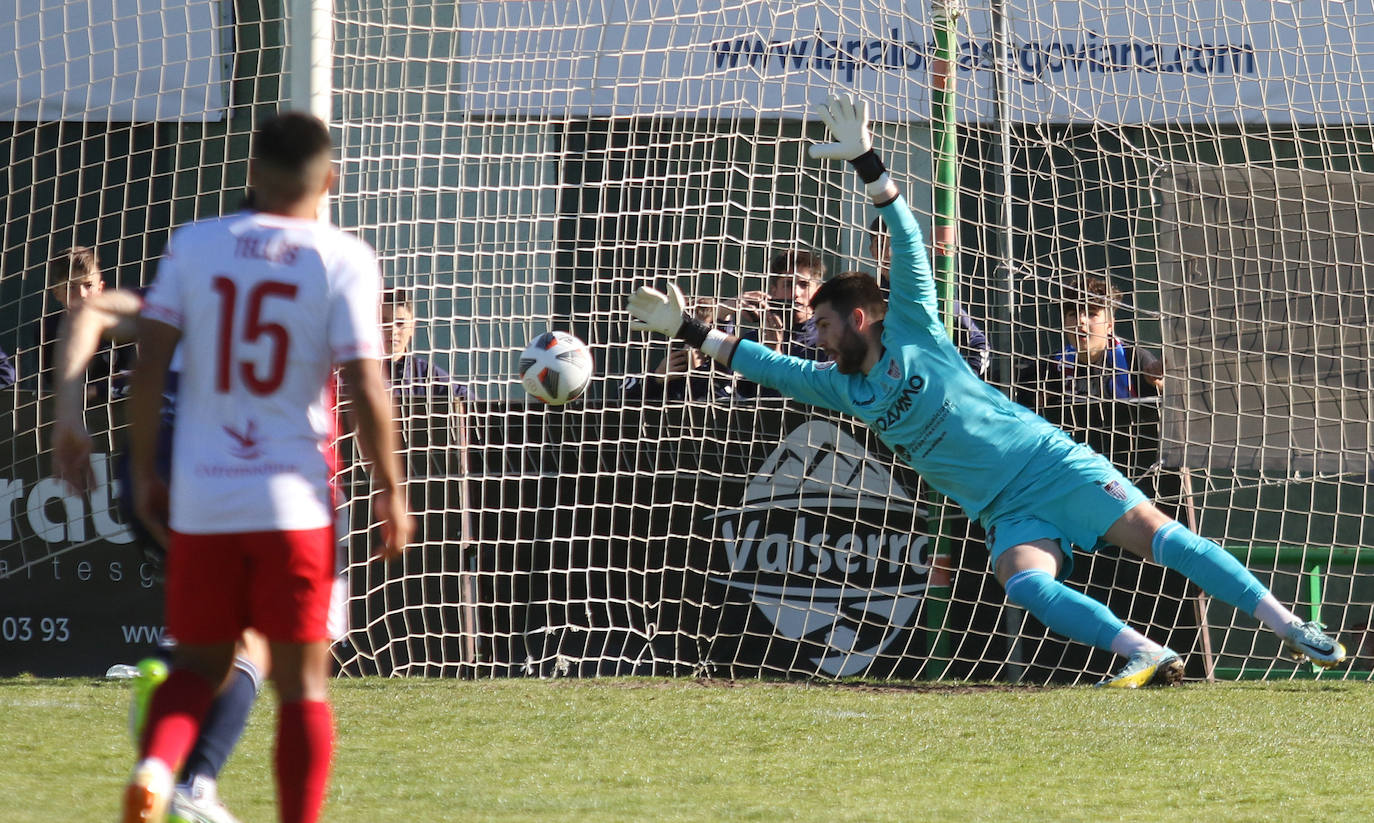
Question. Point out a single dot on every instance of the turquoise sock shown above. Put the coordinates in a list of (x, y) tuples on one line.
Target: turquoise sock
[(1208, 565), (1063, 610)]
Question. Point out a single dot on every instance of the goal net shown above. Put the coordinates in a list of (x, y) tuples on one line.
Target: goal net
[(523, 166)]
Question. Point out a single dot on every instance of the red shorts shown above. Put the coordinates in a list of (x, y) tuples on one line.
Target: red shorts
[(277, 582)]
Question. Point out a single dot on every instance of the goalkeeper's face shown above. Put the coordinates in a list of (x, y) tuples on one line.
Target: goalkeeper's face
[(842, 339)]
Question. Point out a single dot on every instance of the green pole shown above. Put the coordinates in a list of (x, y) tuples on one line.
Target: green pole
[(1314, 596), (944, 160)]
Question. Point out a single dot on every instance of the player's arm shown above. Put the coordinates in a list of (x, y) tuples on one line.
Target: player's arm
[(374, 421), (8, 374), (979, 352), (912, 286), (1151, 368), (803, 380), (111, 315), (156, 343)]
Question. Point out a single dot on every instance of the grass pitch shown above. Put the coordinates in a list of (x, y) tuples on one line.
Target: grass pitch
[(678, 750)]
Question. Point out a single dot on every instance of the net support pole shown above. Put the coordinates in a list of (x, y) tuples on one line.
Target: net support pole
[(309, 57), (309, 64), (1002, 330), (945, 150)]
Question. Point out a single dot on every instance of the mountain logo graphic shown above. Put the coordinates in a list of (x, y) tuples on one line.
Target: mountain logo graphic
[(829, 549)]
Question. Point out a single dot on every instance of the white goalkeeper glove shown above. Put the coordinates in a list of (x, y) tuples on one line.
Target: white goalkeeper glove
[(655, 311), (847, 118)]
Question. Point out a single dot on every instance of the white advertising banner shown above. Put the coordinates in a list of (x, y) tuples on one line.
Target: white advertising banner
[(113, 60), (1111, 61)]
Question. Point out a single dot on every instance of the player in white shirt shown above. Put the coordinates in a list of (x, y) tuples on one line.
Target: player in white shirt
[(265, 305)]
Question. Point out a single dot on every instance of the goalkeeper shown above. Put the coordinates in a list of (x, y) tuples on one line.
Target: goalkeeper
[(1036, 491)]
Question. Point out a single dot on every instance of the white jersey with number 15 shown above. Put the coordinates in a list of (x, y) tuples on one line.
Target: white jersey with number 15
[(267, 306)]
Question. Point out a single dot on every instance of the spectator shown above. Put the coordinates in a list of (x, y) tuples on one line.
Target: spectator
[(1095, 364), (73, 276), (783, 313), (412, 375)]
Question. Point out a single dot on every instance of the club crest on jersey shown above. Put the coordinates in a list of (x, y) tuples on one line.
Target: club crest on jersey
[(245, 444), (894, 370), (1115, 490), (829, 550)]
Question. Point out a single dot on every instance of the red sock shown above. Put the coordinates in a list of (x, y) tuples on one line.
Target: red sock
[(174, 717), (305, 745)]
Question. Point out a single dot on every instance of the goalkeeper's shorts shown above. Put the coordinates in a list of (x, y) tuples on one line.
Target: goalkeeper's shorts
[(277, 582), (1067, 493)]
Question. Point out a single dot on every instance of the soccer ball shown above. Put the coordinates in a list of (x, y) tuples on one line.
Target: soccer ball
[(556, 367)]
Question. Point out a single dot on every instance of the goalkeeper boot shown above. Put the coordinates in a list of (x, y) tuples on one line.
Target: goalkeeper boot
[(152, 672), (198, 802), (148, 793), (1161, 667), (1310, 640)]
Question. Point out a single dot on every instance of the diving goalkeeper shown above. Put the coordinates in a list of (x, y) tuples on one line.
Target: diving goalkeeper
[(1036, 491)]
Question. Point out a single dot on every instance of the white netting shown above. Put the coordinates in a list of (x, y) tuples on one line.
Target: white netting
[(522, 166)]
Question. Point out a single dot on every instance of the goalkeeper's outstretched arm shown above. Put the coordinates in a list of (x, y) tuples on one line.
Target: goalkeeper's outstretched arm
[(666, 314), (804, 380), (912, 286)]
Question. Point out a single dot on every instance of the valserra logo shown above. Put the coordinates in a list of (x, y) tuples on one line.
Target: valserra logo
[(830, 549)]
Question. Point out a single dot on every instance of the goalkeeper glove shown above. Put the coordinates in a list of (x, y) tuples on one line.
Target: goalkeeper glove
[(666, 314), (655, 311), (847, 118)]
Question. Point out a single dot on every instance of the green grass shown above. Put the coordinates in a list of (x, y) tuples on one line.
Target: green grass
[(656, 750)]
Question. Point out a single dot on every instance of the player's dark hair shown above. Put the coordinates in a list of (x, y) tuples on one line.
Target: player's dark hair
[(1089, 290), (75, 263), (796, 261), (402, 296), (848, 291), (877, 226), (291, 141)]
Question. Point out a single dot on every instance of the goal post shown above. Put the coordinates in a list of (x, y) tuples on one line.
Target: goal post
[(593, 150), (523, 165)]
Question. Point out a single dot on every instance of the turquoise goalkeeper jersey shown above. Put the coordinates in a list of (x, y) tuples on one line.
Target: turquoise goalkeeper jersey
[(964, 437)]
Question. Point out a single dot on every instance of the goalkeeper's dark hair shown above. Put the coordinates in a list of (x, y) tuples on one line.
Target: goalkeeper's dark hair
[(291, 141), (848, 291)]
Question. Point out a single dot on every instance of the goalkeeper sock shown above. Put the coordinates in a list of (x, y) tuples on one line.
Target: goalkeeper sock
[(224, 723), (305, 745), (174, 716), (1063, 610), (1208, 565)]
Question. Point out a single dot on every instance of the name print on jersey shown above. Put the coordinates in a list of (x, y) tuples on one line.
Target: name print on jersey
[(902, 404), (259, 247)]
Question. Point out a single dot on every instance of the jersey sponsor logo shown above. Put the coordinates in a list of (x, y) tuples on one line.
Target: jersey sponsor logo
[(245, 444), (902, 404), (828, 548)]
